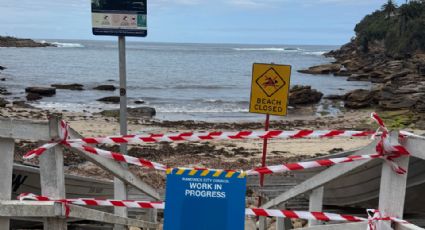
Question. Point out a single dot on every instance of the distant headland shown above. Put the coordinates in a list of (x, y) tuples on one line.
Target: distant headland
[(7, 41)]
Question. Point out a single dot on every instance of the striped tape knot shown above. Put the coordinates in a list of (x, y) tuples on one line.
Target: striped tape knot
[(387, 150), (31, 196), (374, 216)]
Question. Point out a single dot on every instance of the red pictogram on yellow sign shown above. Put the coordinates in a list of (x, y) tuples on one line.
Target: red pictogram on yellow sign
[(269, 89)]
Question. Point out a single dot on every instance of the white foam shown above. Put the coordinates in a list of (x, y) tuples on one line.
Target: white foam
[(67, 45), (316, 53), (269, 49)]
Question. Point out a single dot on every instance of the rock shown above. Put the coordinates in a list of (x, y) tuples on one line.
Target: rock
[(343, 73), (3, 79), (3, 102), (43, 91), (3, 91), (138, 102), (421, 69), (22, 104), (105, 87), (132, 112), (358, 77), (112, 99), (33, 96), (2, 67), (68, 86), (397, 104), (301, 95), (399, 74), (141, 112), (377, 77), (395, 65), (334, 97), (322, 69), (359, 98)]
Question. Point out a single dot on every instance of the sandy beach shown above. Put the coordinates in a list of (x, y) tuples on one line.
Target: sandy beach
[(237, 154)]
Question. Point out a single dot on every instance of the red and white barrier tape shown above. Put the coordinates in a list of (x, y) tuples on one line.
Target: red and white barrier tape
[(207, 136), (322, 216), (309, 164), (384, 148)]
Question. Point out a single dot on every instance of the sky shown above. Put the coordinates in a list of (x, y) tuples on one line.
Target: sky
[(306, 22)]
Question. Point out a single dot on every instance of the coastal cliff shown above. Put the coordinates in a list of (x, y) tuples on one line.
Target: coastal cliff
[(389, 51)]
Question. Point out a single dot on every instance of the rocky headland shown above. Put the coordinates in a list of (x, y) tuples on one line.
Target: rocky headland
[(7, 41), (396, 67)]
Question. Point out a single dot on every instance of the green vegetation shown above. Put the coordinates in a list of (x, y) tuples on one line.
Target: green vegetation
[(400, 28)]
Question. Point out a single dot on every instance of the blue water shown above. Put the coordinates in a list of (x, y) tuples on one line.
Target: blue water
[(181, 81)]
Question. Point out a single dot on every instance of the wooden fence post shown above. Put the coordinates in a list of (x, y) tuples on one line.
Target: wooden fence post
[(316, 204), (52, 176), (7, 147), (393, 188)]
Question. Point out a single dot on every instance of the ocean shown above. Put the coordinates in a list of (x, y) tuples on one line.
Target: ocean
[(181, 81)]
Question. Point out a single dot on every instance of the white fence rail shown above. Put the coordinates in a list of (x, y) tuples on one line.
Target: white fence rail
[(52, 180)]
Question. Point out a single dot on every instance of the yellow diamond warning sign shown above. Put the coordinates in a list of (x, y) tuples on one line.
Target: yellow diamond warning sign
[(269, 89)]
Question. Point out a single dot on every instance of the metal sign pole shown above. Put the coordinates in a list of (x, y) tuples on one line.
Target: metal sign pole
[(120, 188), (263, 159)]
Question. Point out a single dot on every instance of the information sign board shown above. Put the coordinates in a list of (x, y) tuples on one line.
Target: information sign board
[(119, 17), (270, 89), (204, 199)]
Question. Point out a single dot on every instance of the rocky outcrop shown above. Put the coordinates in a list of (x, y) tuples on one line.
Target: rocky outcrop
[(3, 91), (302, 95), (43, 91), (112, 99), (3, 102), (33, 97), (19, 42), (398, 82), (22, 104), (68, 86), (105, 87), (359, 98), (322, 69), (132, 112)]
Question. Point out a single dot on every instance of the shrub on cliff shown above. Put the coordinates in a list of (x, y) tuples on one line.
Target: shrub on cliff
[(402, 29)]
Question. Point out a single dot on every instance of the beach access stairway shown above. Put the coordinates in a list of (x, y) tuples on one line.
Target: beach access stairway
[(357, 184), (319, 187), (56, 215)]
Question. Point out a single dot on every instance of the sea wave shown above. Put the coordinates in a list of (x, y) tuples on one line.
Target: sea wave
[(316, 53), (200, 110), (269, 49), (67, 45), (185, 86)]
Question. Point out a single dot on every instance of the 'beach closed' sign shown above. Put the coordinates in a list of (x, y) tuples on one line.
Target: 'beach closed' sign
[(270, 89), (204, 199)]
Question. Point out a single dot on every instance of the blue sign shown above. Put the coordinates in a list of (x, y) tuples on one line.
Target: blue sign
[(119, 17), (204, 200)]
